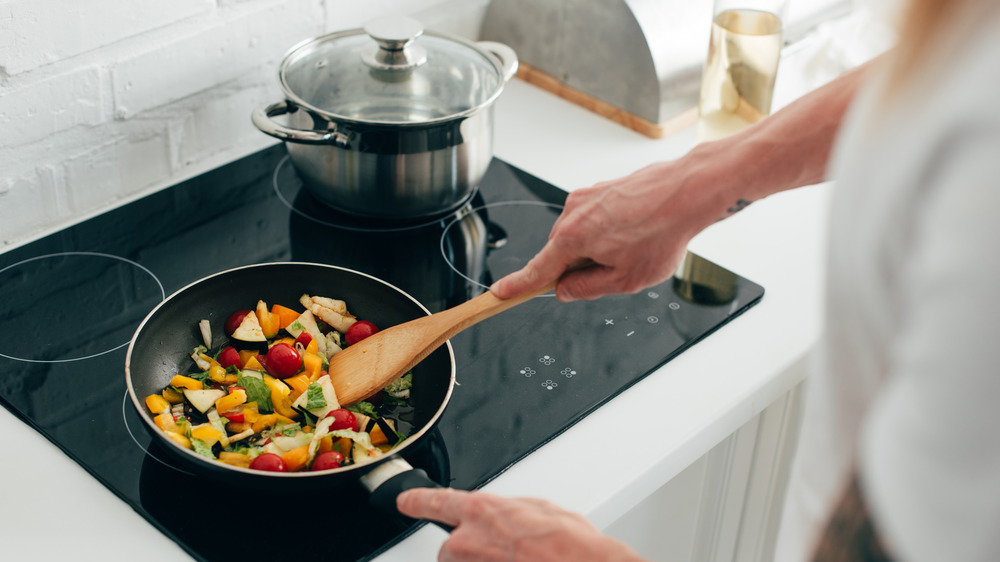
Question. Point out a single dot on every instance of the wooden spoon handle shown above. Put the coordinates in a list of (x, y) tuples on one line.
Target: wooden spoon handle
[(441, 327)]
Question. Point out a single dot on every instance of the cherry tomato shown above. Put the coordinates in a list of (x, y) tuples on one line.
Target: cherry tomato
[(327, 460), (304, 338), (229, 357), (269, 462), (234, 321), (343, 419), (282, 360), (359, 331)]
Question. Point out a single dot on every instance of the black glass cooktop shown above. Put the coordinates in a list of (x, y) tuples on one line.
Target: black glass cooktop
[(71, 301)]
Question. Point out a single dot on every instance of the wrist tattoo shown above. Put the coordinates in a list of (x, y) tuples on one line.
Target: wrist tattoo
[(739, 206), (850, 534)]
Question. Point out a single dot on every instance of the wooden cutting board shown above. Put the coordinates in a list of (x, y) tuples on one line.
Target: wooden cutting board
[(551, 84)]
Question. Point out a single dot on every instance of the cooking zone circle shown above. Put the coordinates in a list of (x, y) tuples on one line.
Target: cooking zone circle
[(130, 417), (509, 251), (290, 189), (70, 306)]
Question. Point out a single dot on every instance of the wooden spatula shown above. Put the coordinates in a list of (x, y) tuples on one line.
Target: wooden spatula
[(367, 366)]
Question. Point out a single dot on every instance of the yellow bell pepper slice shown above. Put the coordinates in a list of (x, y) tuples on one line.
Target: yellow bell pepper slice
[(172, 396), (299, 384), (179, 439), (312, 366), (268, 420), (165, 421), (231, 400), (297, 458), (157, 403), (280, 397), (182, 381), (378, 436), (345, 444), (235, 459), (205, 433), (252, 364), (269, 323)]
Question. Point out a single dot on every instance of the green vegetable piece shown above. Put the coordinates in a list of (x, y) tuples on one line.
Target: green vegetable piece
[(404, 382), (202, 449), (365, 408), (314, 397), (257, 391)]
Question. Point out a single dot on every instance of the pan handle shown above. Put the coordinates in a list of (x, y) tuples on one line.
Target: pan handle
[(393, 477)]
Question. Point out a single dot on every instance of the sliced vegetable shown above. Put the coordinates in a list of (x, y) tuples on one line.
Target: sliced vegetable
[(252, 398), (250, 330), (231, 400), (205, 327), (234, 321), (235, 459), (269, 323), (157, 404), (203, 399), (285, 315)]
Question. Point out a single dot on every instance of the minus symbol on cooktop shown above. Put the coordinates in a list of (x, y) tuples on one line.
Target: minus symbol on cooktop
[(630, 333)]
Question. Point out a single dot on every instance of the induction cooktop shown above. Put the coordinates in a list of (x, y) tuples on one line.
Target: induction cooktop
[(72, 300)]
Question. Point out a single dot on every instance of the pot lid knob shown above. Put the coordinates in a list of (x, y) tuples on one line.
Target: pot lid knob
[(393, 50)]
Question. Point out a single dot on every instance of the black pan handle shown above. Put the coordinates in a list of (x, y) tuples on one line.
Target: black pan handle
[(393, 477)]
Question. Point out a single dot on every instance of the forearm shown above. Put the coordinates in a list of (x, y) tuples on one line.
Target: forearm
[(789, 149), (636, 228)]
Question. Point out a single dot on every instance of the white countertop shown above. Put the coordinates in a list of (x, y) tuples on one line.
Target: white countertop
[(52, 508)]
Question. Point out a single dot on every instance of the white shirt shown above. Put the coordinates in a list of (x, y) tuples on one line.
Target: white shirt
[(907, 386)]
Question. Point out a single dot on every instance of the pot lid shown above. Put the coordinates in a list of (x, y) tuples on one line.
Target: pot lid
[(392, 72)]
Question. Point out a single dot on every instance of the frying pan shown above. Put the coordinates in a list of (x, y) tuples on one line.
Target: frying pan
[(161, 344)]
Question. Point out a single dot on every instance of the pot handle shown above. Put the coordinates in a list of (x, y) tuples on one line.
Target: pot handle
[(262, 120), (506, 55), (392, 478)]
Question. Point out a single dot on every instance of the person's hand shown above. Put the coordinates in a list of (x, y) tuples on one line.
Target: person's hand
[(490, 528), (634, 229)]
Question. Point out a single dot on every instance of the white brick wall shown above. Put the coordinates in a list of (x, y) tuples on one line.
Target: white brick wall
[(106, 100)]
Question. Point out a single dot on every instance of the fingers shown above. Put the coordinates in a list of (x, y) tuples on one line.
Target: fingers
[(547, 266), (436, 504)]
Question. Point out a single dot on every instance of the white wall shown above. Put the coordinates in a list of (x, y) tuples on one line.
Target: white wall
[(106, 100)]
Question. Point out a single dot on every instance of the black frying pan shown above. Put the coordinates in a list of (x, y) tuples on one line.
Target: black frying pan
[(160, 347)]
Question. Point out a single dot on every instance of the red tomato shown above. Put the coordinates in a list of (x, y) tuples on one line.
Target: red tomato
[(269, 462), (359, 331), (304, 338), (234, 321), (327, 460), (282, 360), (234, 416), (343, 419), (229, 357)]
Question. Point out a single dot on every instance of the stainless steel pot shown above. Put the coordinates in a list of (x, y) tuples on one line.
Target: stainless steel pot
[(389, 121)]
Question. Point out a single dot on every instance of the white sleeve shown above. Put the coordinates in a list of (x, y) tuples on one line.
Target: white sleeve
[(930, 454)]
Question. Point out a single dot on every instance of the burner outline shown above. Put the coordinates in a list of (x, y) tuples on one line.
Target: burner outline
[(128, 428), (163, 296), (430, 221), (466, 212)]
